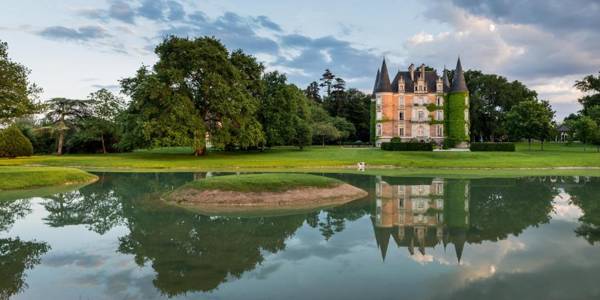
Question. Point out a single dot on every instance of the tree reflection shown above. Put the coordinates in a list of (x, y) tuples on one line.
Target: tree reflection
[(16, 257), (191, 252), (585, 193)]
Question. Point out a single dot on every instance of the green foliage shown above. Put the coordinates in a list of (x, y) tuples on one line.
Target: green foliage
[(450, 143), (491, 97), (17, 93), (431, 107), (455, 116), (13, 143), (275, 182), (590, 85), (196, 86), (325, 131), (396, 140), (530, 120), (284, 113), (372, 122), (585, 129), (504, 147), (64, 113), (409, 146)]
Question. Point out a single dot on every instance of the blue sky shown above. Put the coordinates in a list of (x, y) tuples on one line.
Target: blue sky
[(75, 47)]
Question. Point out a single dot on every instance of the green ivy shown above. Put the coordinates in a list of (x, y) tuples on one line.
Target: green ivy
[(372, 122), (455, 116)]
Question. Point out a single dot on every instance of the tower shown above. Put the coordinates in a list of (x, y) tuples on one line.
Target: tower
[(457, 111)]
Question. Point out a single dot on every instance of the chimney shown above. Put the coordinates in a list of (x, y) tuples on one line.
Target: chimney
[(422, 71), (411, 70)]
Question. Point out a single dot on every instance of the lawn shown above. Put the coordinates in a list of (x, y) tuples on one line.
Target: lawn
[(263, 182), (554, 157), (13, 178)]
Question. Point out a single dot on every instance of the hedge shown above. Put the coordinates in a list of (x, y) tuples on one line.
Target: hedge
[(13, 143), (407, 146), (506, 147)]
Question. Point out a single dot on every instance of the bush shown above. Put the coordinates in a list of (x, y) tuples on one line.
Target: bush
[(396, 140), (13, 143), (449, 143), (407, 146), (505, 147)]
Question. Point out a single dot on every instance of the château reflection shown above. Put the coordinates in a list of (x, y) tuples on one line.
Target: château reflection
[(421, 213)]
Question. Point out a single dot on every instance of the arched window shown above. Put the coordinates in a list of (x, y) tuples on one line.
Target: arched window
[(421, 131), (378, 130)]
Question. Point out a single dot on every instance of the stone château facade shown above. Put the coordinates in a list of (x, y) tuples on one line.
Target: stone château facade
[(418, 105)]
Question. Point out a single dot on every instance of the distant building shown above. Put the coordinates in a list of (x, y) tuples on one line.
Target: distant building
[(418, 105)]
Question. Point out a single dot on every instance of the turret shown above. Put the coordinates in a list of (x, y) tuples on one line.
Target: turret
[(383, 80), (376, 82), (458, 82)]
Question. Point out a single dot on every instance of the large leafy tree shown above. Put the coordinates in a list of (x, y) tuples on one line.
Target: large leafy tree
[(18, 95), (62, 113), (491, 98), (284, 113), (590, 85), (105, 108), (585, 129), (530, 120), (197, 84)]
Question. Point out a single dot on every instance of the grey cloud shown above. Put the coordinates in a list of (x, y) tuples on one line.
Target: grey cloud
[(555, 14), (121, 11), (267, 23), (84, 33), (78, 259), (176, 11), (152, 9)]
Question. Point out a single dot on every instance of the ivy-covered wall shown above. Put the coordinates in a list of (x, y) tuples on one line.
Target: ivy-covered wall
[(455, 116), (373, 121)]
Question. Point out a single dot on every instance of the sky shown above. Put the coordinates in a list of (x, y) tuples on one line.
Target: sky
[(76, 47)]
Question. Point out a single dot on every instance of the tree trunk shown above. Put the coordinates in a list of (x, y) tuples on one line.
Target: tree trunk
[(323, 141), (529, 141), (542, 145), (200, 151), (103, 145), (61, 138)]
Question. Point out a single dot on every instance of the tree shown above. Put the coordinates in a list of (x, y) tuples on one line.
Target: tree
[(491, 98), (585, 130), (327, 81), (530, 120), (62, 112), (312, 92), (325, 130), (13, 143), (590, 85), (284, 112), (18, 95), (105, 108), (344, 128), (197, 84)]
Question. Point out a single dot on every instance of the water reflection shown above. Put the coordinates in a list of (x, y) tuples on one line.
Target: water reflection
[(188, 252)]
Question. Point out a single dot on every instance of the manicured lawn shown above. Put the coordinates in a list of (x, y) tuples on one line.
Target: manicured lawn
[(13, 178), (327, 159), (262, 182)]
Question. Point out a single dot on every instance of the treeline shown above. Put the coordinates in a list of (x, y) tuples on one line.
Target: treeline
[(198, 93)]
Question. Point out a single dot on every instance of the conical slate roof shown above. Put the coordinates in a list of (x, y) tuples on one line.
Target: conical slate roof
[(458, 82), (376, 82), (446, 80), (383, 82)]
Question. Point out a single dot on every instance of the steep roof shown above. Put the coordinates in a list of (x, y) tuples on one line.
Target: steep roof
[(458, 82), (383, 82), (446, 80), (376, 82)]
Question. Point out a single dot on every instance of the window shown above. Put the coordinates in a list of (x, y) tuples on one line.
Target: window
[(401, 116), (421, 131), (401, 101), (378, 107), (421, 115), (378, 129), (400, 131), (440, 115), (439, 101), (440, 131)]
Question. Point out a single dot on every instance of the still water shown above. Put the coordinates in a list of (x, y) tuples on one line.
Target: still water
[(423, 238)]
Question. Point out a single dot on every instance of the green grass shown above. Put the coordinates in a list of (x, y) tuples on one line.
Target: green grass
[(555, 157), (18, 178), (262, 182)]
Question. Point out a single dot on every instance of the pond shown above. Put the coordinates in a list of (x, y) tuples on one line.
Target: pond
[(419, 238)]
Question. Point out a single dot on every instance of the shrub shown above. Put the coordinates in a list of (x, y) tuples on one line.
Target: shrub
[(449, 143), (13, 143), (396, 140), (505, 147), (407, 146)]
